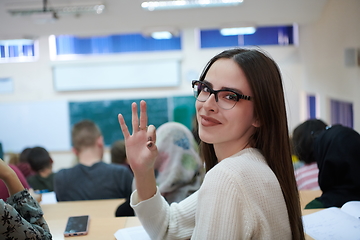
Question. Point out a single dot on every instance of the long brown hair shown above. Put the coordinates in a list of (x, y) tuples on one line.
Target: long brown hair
[(272, 137)]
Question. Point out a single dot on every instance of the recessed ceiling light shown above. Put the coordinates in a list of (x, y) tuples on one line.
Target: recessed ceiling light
[(237, 31), (178, 4), (162, 35)]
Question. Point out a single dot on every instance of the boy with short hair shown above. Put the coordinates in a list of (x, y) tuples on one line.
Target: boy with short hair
[(92, 178)]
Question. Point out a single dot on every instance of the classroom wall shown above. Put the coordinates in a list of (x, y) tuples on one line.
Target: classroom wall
[(315, 66), (321, 49)]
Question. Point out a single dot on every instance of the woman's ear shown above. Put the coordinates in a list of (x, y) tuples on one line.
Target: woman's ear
[(256, 123)]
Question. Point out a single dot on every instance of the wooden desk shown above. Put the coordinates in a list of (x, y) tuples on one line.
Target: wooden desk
[(94, 208), (103, 223), (99, 228), (307, 196), (132, 222)]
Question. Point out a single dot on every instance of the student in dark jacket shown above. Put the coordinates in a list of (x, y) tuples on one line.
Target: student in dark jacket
[(92, 178)]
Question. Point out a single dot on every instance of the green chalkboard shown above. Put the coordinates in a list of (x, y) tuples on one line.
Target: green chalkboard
[(184, 110), (105, 115)]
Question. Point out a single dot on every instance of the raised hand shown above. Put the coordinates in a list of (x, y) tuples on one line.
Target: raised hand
[(141, 150)]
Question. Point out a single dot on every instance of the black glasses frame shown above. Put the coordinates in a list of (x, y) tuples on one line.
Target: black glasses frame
[(215, 92)]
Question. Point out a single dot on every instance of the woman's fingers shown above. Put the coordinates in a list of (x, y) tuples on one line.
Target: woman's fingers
[(123, 126), (151, 133), (135, 118), (143, 116), (137, 124)]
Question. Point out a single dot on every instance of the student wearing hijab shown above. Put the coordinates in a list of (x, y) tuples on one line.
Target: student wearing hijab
[(337, 151), (179, 169)]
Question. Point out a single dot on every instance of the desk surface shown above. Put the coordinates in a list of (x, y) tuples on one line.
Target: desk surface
[(95, 208), (99, 228), (103, 223), (307, 196)]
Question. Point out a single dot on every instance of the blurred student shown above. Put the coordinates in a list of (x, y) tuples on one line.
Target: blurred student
[(178, 166), (23, 164), (249, 190), (118, 153), (42, 164), (21, 215), (303, 144), (91, 178), (337, 152), (295, 159), (13, 158)]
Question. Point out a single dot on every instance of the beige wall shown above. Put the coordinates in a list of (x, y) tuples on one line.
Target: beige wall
[(315, 66), (322, 54)]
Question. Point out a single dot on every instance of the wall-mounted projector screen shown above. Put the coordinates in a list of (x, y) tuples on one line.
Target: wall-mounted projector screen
[(91, 76)]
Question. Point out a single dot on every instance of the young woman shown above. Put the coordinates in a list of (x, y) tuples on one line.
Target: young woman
[(249, 190)]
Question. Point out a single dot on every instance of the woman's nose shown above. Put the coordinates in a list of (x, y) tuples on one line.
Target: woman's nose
[(210, 104)]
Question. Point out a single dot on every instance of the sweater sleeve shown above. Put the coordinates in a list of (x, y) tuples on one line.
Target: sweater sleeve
[(164, 221), (22, 218)]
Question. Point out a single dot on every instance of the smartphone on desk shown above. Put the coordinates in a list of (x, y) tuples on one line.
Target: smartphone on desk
[(77, 226)]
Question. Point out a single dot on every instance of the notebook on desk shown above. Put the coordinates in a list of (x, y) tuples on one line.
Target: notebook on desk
[(132, 233), (334, 223)]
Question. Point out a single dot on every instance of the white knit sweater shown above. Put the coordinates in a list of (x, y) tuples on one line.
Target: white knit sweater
[(240, 198)]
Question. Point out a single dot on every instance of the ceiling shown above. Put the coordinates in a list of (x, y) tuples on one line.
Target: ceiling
[(127, 16)]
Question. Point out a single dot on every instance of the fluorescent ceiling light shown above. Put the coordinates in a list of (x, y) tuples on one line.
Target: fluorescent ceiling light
[(237, 31), (162, 35), (178, 4)]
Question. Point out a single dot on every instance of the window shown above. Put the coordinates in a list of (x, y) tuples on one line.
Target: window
[(342, 113), (311, 106), (17, 50), (278, 35), (121, 43)]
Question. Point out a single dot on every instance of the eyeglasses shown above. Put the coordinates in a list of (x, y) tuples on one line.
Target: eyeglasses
[(226, 99)]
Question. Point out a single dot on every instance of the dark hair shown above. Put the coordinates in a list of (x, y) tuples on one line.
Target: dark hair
[(84, 134), (272, 137), (39, 159), (195, 130), (303, 139), (23, 158), (118, 152), (337, 152)]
